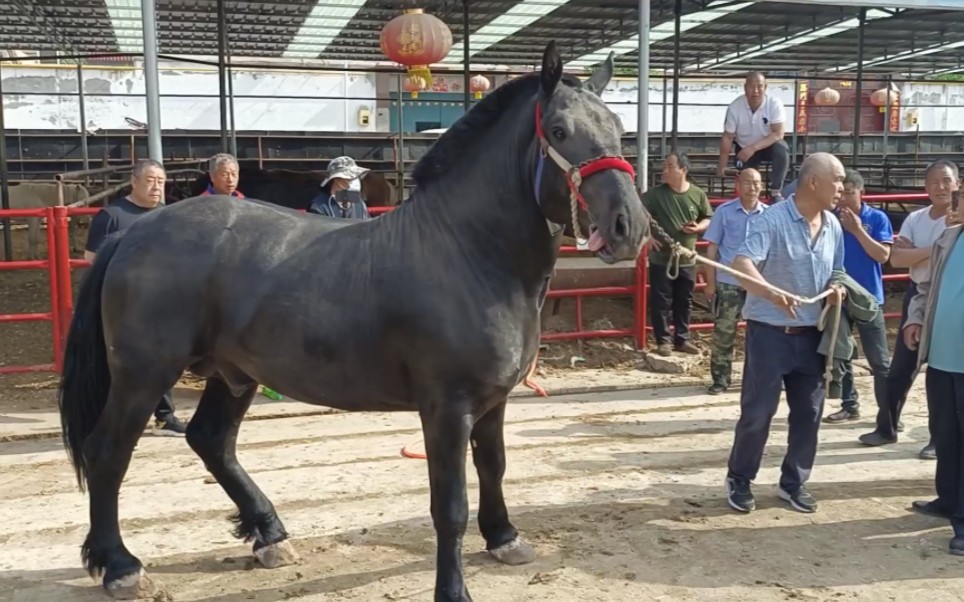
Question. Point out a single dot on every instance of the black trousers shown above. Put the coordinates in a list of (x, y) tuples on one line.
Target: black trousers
[(947, 391), (778, 154), (670, 296), (901, 379)]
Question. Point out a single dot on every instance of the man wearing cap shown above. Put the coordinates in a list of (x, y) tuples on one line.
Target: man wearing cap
[(340, 194)]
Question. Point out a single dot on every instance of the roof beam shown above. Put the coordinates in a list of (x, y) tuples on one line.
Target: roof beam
[(663, 31), (901, 56), (918, 4), (125, 18), (803, 37), (520, 16), (322, 25)]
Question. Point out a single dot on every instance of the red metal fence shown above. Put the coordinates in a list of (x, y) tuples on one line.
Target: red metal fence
[(59, 266)]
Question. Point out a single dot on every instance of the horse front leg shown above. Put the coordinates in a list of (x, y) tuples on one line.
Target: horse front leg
[(213, 434), (488, 452), (446, 432)]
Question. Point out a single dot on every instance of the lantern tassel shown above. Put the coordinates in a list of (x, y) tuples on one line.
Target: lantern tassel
[(423, 72)]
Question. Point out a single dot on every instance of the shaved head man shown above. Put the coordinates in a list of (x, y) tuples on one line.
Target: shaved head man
[(795, 246), (726, 234)]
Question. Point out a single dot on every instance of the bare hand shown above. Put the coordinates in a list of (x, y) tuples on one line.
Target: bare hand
[(710, 291), (835, 299), (653, 244), (912, 336), (745, 154), (850, 221), (902, 243), (690, 228), (953, 218), (785, 303)]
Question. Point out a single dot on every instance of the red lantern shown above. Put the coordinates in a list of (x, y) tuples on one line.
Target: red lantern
[(826, 97), (479, 85), (879, 98), (416, 40), (415, 84)]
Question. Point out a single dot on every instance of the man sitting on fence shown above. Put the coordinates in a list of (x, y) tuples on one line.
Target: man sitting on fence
[(340, 194), (754, 124), (726, 234), (868, 237), (223, 172), (683, 210), (147, 193)]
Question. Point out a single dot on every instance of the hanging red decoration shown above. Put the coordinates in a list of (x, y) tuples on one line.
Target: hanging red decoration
[(416, 40), (479, 85), (879, 97), (415, 84), (826, 97)]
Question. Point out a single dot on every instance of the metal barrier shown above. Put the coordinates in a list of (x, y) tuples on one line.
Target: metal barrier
[(54, 316)]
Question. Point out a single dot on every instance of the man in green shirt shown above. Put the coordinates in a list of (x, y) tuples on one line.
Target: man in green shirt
[(683, 210)]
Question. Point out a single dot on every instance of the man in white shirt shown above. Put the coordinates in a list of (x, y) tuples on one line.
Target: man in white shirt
[(754, 125), (912, 249)]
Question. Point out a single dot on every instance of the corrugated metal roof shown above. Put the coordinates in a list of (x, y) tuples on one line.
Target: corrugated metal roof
[(265, 29)]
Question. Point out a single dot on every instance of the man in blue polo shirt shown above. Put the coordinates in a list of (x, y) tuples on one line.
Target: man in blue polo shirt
[(868, 237), (794, 246), (727, 231)]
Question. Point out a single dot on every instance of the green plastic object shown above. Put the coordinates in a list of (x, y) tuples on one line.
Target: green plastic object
[(271, 394)]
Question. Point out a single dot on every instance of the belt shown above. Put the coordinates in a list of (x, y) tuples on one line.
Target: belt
[(795, 330)]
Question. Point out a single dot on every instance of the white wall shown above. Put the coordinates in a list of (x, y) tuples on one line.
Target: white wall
[(48, 111), (931, 118)]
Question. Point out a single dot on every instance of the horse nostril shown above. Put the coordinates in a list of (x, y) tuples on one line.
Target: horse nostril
[(621, 227)]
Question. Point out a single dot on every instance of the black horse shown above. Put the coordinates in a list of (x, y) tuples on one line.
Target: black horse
[(432, 308)]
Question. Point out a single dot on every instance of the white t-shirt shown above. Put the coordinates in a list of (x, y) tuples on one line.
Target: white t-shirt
[(922, 231), (751, 126)]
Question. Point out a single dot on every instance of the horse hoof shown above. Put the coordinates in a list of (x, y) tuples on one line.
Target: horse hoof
[(136, 586), (277, 555), (514, 553)]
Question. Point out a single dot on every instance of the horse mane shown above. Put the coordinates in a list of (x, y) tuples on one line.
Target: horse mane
[(443, 156)]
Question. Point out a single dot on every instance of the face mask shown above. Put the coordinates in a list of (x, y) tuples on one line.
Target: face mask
[(354, 185)]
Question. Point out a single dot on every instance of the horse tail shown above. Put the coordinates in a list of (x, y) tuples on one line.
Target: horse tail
[(85, 381)]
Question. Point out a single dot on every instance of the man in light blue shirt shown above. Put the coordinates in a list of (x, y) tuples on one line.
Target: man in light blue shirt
[(795, 246), (726, 234)]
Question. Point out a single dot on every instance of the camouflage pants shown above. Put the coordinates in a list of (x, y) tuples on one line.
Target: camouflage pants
[(727, 306)]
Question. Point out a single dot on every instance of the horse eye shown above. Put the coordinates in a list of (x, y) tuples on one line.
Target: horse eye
[(559, 133)]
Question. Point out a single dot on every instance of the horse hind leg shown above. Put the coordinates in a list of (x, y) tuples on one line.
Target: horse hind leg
[(212, 434), (108, 450), (488, 453)]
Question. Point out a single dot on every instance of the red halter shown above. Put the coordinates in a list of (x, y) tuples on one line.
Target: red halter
[(575, 174)]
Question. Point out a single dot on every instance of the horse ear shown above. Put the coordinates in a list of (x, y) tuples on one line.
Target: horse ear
[(599, 79), (551, 68)]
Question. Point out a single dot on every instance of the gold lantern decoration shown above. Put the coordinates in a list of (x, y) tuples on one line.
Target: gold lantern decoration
[(416, 39)]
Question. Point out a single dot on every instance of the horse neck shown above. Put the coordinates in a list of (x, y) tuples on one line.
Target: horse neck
[(489, 201)]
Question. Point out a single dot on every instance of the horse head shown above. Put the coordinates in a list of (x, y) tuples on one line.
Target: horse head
[(582, 180)]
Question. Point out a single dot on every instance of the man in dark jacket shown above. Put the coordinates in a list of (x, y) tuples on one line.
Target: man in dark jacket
[(340, 194)]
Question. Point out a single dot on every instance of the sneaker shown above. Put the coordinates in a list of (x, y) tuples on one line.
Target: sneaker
[(664, 350), (739, 496), (716, 389), (800, 500), (928, 453), (172, 427), (687, 347), (842, 416)]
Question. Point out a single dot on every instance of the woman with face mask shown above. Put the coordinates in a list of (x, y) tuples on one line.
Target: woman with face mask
[(340, 194)]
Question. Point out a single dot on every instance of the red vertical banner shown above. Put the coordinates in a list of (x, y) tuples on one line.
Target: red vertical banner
[(802, 95), (893, 119)]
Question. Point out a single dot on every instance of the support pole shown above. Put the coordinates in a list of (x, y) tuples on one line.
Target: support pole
[(466, 58), (662, 138), (796, 116), (400, 175), (222, 93), (4, 180), (642, 102), (85, 154), (676, 68), (859, 88), (234, 127), (151, 81)]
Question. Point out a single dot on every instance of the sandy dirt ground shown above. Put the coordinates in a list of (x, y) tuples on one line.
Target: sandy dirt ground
[(620, 493)]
